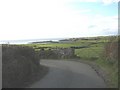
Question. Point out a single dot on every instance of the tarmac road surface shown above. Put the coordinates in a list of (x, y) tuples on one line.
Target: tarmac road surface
[(69, 74)]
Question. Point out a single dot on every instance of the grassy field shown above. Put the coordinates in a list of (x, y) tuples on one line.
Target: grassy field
[(63, 45), (95, 53)]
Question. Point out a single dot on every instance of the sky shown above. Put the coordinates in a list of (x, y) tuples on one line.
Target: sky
[(37, 19)]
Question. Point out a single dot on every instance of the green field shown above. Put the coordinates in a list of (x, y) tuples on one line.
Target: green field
[(94, 51)]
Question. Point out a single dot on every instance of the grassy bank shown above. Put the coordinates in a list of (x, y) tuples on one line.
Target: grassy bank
[(104, 54), (20, 66), (101, 50)]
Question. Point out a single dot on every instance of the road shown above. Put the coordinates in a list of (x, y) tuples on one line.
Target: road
[(69, 74)]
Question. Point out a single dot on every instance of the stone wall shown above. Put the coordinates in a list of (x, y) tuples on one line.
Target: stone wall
[(57, 53)]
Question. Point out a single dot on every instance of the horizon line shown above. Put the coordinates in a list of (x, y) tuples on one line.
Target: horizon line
[(56, 38)]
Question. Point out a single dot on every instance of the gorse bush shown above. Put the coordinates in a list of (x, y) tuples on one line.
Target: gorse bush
[(111, 50), (19, 63), (111, 57)]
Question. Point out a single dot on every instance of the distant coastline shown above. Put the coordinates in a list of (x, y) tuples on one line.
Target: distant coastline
[(27, 41)]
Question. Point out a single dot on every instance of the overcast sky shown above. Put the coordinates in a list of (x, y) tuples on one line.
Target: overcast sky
[(36, 19)]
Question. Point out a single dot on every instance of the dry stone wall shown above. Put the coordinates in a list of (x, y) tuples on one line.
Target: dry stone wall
[(57, 53)]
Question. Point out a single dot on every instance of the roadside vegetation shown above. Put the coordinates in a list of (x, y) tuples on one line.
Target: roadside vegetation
[(103, 51), (20, 66), (105, 55)]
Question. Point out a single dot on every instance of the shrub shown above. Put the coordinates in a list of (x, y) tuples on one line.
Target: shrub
[(111, 50), (18, 65)]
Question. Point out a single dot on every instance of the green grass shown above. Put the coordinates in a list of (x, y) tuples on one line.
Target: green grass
[(89, 53), (61, 45), (111, 71), (66, 45)]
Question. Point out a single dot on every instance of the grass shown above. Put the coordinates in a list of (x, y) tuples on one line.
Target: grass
[(53, 45), (90, 53), (111, 71)]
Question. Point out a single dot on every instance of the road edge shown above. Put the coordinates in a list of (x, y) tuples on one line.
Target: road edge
[(100, 72), (43, 70)]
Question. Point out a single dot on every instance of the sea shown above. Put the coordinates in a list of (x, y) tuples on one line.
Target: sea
[(27, 41)]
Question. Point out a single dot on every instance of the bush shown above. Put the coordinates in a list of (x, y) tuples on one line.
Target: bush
[(18, 65), (111, 57), (111, 50)]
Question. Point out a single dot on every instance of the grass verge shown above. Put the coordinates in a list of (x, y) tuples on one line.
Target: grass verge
[(108, 65)]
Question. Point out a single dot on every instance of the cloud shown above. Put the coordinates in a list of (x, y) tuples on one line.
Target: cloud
[(88, 0), (104, 24), (105, 2), (29, 19), (38, 19)]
